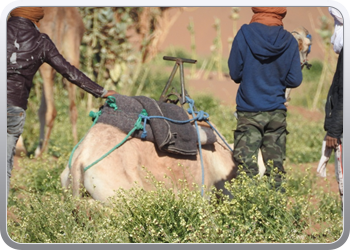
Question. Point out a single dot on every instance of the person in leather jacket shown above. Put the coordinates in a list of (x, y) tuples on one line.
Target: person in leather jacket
[(333, 123), (27, 50)]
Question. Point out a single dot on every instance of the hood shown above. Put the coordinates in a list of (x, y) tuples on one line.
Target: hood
[(266, 41)]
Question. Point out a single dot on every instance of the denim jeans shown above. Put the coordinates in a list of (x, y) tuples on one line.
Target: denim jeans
[(15, 123)]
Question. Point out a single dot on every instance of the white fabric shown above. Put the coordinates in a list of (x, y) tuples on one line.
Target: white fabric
[(339, 169), (337, 37), (325, 155), (336, 14)]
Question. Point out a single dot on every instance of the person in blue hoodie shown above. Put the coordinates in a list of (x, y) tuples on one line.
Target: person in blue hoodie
[(264, 60)]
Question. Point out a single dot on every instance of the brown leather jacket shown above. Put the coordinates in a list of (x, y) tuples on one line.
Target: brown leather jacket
[(27, 50)]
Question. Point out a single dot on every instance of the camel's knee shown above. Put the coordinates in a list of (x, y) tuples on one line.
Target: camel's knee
[(50, 117), (73, 112), (65, 178), (47, 116)]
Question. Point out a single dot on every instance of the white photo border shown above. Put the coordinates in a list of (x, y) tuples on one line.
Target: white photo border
[(8, 5)]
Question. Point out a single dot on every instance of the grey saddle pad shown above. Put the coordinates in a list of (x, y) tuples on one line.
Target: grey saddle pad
[(168, 136)]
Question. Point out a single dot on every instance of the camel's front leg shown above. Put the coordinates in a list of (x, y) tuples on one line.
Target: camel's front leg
[(47, 111)]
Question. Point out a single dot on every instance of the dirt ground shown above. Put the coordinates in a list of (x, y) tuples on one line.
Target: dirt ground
[(204, 19)]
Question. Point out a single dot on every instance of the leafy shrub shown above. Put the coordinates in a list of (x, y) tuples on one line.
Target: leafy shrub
[(256, 213)]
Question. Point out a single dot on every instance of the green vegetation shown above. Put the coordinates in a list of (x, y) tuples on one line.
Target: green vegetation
[(46, 214)]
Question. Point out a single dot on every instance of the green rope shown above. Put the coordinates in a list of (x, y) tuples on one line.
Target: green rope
[(138, 125), (95, 116), (111, 101)]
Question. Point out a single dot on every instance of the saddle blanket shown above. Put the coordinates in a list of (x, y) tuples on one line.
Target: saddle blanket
[(176, 138)]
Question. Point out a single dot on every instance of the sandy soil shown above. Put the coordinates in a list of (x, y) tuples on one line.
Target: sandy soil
[(204, 18)]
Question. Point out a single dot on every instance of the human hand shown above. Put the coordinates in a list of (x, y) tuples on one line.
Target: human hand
[(331, 142), (109, 93)]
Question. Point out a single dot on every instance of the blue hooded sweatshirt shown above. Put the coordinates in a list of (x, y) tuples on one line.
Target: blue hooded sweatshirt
[(265, 61)]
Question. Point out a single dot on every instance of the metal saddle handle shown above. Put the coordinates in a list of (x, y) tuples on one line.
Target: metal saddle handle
[(179, 59), (178, 63)]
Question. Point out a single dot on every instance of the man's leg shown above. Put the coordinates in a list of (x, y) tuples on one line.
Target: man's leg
[(15, 122), (247, 141), (273, 147)]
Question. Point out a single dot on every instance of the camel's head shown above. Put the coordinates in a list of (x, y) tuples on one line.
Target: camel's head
[(304, 40)]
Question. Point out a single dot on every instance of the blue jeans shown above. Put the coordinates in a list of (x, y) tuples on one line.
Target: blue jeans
[(15, 123)]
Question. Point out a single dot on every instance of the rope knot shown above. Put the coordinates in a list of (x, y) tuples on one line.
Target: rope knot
[(200, 115), (112, 102), (95, 115), (143, 115), (189, 101)]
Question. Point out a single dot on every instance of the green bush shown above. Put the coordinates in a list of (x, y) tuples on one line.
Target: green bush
[(256, 213)]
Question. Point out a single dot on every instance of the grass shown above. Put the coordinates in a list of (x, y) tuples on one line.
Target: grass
[(43, 213), (311, 79)]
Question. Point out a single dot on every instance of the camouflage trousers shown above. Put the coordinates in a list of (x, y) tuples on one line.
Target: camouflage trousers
[(261, 130)]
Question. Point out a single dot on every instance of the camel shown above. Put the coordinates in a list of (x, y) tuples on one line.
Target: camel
[(304, 40), (65, 27), (303, 37), (129, 165)]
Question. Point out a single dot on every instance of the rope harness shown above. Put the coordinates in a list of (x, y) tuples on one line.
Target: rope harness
[(197, 116)]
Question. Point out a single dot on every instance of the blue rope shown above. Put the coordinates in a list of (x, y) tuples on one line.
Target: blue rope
[(200, 116)]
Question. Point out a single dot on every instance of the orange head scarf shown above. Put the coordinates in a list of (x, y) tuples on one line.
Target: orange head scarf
[(34, 14), (271, 16)]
